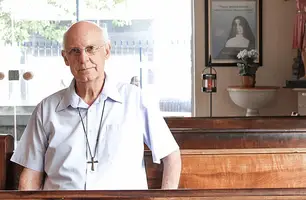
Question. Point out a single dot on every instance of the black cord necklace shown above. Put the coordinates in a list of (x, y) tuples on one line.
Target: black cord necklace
[(92, 157)]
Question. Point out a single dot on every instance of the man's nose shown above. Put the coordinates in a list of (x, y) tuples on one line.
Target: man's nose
[(83, 57)]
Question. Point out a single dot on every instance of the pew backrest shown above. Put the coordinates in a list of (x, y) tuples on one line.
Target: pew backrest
[(251, 153)]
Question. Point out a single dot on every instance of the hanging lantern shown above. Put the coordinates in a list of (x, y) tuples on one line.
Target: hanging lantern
[(209, 83), (209, 80)]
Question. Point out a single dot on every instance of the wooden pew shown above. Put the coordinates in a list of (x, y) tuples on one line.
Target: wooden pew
[(6, 149), (266, 152), (217, 123), (267, 194), (235, 169), (228, 153), (224, 169), (238, 133)]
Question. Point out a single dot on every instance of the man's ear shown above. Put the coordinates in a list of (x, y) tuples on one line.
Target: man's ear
[(107, 50), (65, 58)]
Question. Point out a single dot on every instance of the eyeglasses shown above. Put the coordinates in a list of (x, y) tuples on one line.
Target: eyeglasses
[(90, 50)]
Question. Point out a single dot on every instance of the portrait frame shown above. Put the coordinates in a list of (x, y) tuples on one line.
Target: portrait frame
[(232, 26)]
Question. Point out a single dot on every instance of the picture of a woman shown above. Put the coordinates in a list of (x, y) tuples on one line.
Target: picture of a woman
[(240, 37)]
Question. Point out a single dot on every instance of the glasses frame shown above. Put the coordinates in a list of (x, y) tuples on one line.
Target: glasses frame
[(96, 49)]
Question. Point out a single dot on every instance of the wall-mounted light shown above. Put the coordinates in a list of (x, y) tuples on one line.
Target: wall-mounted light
[(209, 82), (209, 79)]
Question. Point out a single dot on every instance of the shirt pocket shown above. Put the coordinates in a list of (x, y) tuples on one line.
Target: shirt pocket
[(113, 127), (122, 143), (112, 140)]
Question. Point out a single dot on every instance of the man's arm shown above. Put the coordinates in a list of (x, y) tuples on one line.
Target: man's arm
[(30, 180), (172, 170)]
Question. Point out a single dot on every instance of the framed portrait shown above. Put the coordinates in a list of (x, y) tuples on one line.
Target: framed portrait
[(232, 26)]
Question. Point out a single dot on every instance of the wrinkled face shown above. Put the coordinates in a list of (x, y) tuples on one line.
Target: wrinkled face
[(85, 53), (239, 27)]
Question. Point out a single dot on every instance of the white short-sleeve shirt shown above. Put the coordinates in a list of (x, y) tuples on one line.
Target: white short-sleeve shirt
[(54, 141)]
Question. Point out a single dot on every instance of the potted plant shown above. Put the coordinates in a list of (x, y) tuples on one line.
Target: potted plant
[(247, 67)]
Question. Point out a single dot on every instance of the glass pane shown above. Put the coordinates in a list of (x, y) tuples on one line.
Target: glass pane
[(30, 45), (146, 43), (151, 45)]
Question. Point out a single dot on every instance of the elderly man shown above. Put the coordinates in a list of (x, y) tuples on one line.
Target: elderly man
[(91, 135)]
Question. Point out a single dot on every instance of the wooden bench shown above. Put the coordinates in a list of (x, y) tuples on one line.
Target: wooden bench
[(266, 152), (235, 169), (239, 133), (217, 123), (228, 153)]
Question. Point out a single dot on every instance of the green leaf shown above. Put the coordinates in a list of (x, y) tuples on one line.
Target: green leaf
[(21, 30)]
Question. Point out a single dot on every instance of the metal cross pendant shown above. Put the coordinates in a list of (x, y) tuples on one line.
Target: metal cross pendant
[(92, 162)]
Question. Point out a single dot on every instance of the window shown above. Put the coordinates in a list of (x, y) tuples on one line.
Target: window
[(146, 42)]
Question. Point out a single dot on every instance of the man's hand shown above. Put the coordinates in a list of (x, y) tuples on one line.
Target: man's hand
[(30, 180), (172, 170)]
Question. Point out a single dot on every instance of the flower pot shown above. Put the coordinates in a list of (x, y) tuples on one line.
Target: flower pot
[(248, 81)]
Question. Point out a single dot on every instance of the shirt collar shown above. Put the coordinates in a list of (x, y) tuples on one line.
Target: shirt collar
[(71, 98)]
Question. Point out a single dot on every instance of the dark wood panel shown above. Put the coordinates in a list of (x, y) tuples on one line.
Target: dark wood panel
[(275, 122), (6, 148), (237, 194), (201, 139), (238, 132), (13, 174)]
